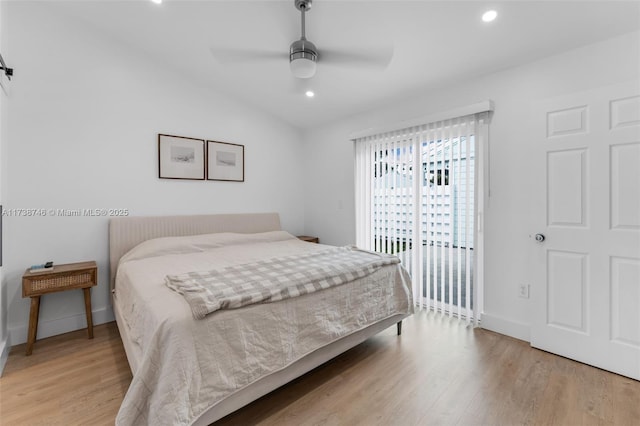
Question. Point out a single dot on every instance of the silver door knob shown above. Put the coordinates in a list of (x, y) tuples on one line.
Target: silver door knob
[(539, 238)]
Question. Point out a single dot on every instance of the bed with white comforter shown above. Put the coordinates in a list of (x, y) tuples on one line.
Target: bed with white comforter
[(185, 367)]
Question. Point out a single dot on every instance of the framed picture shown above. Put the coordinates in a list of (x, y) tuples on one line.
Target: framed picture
[(225, 161), (180, 157)]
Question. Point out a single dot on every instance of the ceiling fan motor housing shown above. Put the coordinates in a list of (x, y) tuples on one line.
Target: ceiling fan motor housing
[(303, 49)]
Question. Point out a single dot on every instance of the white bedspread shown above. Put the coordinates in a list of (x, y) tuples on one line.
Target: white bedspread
[(187, 365)]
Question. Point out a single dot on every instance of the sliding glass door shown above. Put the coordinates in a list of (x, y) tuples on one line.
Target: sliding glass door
[(416, 198)]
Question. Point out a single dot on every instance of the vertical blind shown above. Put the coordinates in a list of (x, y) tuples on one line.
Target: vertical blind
[(416, 198)]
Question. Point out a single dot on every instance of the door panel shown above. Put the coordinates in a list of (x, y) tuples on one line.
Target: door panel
[(625, 300), (586, 294), (625, 197), (566, 187), (567, 290), (566, 122), (625, 112)]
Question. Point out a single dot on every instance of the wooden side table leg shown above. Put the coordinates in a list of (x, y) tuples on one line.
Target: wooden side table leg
[(33, 323), (87, 308)]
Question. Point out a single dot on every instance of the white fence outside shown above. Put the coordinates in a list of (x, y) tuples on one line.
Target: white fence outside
[(446, 213)]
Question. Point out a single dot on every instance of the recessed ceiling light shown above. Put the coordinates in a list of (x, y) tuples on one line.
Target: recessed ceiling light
[(310, 94), (157, 1), (489, 15)]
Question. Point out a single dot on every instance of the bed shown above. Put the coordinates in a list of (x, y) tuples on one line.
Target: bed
[(196, 371)]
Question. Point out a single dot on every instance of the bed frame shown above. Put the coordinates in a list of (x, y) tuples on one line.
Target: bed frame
[(127, 232)]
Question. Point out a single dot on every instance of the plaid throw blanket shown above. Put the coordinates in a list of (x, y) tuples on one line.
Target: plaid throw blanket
[(275, 279)]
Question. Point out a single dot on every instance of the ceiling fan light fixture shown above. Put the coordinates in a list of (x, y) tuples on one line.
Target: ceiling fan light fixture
[(302, 58), (303, 68)]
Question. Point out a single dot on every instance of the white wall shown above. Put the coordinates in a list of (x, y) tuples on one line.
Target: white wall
[(4, 90), (81, 130), (329, 157)]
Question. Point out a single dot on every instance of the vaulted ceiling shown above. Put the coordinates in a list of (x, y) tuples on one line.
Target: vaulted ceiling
[(432, 43)]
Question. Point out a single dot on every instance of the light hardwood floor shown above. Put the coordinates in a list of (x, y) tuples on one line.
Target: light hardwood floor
[(439, 372)]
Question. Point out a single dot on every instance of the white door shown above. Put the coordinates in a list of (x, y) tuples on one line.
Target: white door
[(585, 296)]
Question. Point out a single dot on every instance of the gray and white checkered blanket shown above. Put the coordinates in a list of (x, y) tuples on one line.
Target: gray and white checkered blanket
[(275, 279)]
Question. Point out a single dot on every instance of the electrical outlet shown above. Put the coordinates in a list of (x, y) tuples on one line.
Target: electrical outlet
[(523, 291)]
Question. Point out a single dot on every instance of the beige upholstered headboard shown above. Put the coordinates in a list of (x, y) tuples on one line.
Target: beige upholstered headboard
[(127, 232)]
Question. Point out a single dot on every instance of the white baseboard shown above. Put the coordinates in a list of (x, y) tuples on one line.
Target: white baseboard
[(515, 329), (18, 335), (5, 347)]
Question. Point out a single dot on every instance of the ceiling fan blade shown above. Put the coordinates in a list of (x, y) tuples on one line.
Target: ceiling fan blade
[(374, 57), (225, 55)]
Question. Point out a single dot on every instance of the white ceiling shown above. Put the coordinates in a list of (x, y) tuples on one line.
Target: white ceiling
[(433, 42)]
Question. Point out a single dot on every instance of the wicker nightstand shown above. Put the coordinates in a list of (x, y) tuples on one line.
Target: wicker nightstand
[(83, 275), (309, 239)]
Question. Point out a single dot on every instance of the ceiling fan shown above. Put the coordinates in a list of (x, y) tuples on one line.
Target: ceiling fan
[(304, 56)]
